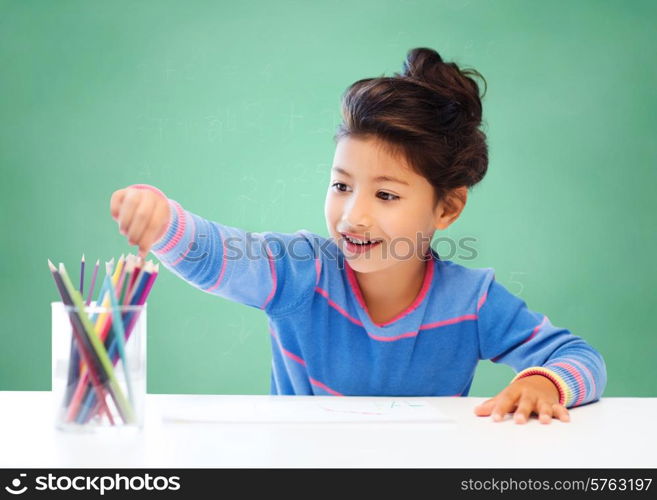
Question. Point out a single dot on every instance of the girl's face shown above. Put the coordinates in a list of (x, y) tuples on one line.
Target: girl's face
[(375, 196)]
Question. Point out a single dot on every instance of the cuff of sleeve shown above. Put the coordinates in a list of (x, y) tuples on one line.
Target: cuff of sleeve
[(150, 188), (562, 387), (174, 231)]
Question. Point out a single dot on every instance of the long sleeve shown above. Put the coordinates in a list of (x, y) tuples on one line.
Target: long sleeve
[(511, 333), (271, 271)]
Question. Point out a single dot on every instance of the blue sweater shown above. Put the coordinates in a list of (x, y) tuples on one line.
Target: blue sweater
[(324, 341)]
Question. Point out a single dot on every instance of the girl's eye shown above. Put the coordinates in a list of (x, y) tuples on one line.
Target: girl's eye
[(391, 197)]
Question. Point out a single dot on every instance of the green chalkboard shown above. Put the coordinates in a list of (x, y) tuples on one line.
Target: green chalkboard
[(230, 109)]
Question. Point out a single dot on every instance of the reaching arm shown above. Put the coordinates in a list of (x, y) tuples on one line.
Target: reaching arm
[(275, 272), (511, 333)]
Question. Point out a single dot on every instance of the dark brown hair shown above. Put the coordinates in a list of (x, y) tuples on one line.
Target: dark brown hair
[(429, 114)]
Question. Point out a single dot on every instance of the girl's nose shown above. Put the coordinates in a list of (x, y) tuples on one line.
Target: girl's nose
[(357, 214)]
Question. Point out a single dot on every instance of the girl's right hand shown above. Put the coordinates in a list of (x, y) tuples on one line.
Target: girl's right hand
[(142, 213)]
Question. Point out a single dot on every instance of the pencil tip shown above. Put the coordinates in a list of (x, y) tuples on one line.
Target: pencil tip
[(82, 257), (98, 262), (51, 266)]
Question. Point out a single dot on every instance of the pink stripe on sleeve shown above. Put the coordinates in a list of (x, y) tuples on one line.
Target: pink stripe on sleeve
[(189, 247), (482, 300), (150, 188), (179, 232), (272, 270), (223, 262), (536, 330), (583, 367), (533, 334), (581, 387), (318, 270)]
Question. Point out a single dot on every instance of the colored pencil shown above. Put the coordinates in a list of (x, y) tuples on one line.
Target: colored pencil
[(99, 339), (84, 371), (141, 294), (93, 282), (89, 399), (74, 357), (82, 275), (120, 337), (123, 288), (77, 329), (123, 406), (100, 325), (104, 318)]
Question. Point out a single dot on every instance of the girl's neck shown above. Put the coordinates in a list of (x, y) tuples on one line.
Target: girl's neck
[(391, 291)]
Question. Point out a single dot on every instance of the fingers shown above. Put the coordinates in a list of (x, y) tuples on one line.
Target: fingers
[(506, 403), (115, 202), (525, 408), (545, 412), (127, 210), (140, 219), (561, 412), (548, 410), (485, 408), (500, 405), (142, 216), (155, 229)]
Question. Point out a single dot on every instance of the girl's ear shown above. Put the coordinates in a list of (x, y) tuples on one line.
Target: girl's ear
[(450, 207)]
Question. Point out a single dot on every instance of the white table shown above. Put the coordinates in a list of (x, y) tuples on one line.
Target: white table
[(611, 433)]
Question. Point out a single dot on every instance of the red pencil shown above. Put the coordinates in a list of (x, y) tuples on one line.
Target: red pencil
[(93, 282)]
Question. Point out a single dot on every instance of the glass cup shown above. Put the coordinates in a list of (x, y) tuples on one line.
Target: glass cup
[(98, 366)]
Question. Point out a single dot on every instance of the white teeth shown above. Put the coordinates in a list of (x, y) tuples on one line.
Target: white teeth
[(358, 242)]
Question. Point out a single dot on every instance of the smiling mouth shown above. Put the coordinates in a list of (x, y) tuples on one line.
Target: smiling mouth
[(356, 241), (358, 248), (359, 243)]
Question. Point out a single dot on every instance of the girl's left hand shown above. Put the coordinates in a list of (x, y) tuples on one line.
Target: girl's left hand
[(534, 393)]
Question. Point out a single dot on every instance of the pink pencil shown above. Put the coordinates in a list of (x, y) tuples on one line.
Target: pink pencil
[(93, 282)]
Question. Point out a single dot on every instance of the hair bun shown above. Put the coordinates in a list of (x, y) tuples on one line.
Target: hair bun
[(460, 91)]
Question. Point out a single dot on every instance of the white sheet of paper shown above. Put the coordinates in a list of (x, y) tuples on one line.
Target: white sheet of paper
[(308, 409)]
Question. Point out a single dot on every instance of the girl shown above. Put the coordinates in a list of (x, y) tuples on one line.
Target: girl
[(373, 310)]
